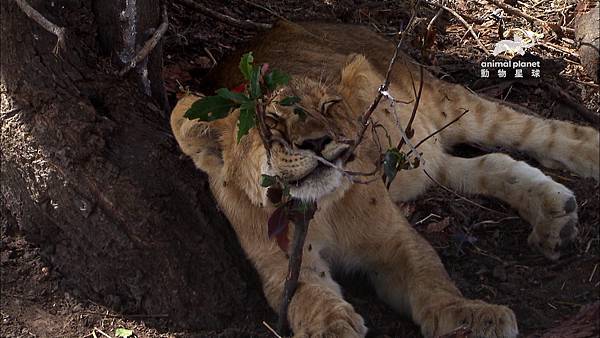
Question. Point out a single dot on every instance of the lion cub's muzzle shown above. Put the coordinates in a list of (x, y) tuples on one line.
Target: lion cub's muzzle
[(297, 163)]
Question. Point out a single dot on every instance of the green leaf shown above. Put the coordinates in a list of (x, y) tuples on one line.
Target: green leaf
[(300, 112), (255, 91), (390, 164), (123, 333), (232, 96), (267, 181), (289, 101), (246, 65), (210, 108), (276, 78), (247, 119)]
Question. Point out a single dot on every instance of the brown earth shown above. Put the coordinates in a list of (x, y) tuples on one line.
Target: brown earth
[(484, 251)]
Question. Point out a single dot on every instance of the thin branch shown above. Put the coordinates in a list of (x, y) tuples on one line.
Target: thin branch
[(271, 329), (294, 266), (268, 10), (514, 11), (459, 195), (382, 89), (434, 19), (245, 24), (102, 332), (149, 45), (408, 131), (464, 22), (45, 23), (440, 130), (567, 98)]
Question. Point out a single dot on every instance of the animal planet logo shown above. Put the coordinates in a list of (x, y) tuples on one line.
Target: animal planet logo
[(522, 40)]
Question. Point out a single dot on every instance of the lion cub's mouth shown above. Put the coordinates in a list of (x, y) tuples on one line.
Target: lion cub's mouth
[(317, 183), (315, 174)]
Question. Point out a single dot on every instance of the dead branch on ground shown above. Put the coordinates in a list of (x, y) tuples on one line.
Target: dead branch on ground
[(245, 24), (514, 11), (464, 22), (45, 23)]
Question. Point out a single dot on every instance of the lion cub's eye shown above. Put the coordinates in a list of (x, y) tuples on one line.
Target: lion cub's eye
[(271, 120), (325, 106)]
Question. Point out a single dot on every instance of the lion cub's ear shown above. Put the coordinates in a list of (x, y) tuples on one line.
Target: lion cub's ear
[(359, 82), (197, 139)]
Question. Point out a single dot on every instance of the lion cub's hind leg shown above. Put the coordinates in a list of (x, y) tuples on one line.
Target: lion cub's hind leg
[(547, 205)]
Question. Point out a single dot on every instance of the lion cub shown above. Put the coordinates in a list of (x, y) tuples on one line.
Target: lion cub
[(357, 226)]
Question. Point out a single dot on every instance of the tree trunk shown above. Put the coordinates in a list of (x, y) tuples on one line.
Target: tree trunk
[(91, 173)]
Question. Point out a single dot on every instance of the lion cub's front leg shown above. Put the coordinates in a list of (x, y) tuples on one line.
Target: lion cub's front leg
[(317, 308), (408, 275)]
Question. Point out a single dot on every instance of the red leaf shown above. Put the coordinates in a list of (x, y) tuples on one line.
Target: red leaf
[(283, 241), (279, 221), (239, 89), (279, 226), (264, 69)]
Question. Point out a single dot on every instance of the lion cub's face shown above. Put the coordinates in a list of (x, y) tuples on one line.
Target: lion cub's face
[(307, 147), (307, 144)]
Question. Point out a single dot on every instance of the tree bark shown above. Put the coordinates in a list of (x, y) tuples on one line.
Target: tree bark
[(91, 173)]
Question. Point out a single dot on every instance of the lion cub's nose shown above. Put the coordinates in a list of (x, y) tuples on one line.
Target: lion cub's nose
[(315, 144)]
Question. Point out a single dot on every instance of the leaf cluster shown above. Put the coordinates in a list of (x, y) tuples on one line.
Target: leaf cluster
[(288, 210), (257, 91)]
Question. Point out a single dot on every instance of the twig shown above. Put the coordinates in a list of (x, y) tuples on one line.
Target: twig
[(383, 88), (409, 132), (464, 22), (149, 45), (514, 11), (246, 24), (441, 129), (433, 20), (212, 58), (101, 332), (579, 108), (268, 10), (294, 265), (45, 23), (459, 195), (271, 329), (160, 315), (560, 49)]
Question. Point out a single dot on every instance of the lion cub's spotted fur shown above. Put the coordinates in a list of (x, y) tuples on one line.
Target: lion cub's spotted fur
[(358, 226)]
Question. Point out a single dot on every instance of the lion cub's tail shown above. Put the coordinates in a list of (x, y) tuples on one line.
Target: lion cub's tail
[(553, 143)]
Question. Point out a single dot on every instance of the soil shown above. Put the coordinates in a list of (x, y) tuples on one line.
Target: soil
[(484, 249)]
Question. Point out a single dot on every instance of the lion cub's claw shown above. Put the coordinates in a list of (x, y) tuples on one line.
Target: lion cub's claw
[(557, 228), (345, 324), (483, 319)]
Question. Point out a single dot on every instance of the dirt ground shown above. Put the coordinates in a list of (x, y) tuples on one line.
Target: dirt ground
[(484, 249)]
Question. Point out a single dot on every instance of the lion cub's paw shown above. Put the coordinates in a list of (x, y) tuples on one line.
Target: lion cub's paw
[(483, 319), (344, 323), (556, 227)]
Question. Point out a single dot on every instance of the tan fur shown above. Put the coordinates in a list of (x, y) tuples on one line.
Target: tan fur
[(357, 226)]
